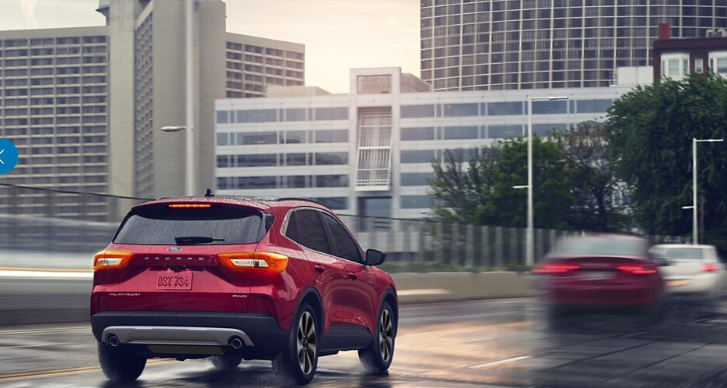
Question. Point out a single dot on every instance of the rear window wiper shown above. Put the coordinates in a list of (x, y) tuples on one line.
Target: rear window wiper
[(191, 240)]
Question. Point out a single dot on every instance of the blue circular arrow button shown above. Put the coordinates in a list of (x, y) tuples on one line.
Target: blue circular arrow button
[(8, 156)]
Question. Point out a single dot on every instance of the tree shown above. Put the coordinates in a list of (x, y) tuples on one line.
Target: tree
[(650, 131), (552, 180), (458, 194), (484, 194), (584, 149)]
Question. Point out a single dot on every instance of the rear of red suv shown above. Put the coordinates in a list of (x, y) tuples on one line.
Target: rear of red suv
[(216, 277)]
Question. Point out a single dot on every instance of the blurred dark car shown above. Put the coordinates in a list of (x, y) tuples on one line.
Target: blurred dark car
[(600, 271)]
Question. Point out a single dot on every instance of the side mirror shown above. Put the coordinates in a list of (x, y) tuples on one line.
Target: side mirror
[(661, 261), (374, 257)]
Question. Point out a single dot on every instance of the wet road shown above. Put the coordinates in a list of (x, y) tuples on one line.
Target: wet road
[(492, 343)]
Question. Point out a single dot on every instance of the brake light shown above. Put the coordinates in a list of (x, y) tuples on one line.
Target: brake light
[(711, 267), (637, 269), (262, 261), (554, 268), (110, 260), (189, 205)]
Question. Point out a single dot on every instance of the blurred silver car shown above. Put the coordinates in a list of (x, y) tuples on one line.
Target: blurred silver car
[(693, 271)]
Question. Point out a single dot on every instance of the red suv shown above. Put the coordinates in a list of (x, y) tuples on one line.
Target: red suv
[(234, 278)]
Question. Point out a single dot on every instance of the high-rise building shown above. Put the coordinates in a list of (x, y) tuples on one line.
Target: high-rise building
[(542, 44), (85, 106)]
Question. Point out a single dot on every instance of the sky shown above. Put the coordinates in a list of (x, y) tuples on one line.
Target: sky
[(338, 34)]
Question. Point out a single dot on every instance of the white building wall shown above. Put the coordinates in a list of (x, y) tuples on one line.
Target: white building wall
[(487, 132)]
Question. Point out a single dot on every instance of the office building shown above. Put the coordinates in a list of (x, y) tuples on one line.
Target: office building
[(85, 105), (369, 152), (676, 58), (543, 44)]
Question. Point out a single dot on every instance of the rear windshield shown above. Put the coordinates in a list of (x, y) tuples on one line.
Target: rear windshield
[(218, 224), (684, 253), (606, 246)]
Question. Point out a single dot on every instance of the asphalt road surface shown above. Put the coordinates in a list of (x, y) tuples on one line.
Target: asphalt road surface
[(491, 343)]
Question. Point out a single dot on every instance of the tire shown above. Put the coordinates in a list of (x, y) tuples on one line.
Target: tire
[(298, 361), (225, 362), (120, 365), (377, 358)]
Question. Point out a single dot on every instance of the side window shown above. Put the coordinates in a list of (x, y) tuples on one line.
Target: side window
[(345, 245), (311, 231), (292, 231)]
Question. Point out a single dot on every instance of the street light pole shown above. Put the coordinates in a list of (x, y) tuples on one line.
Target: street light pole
[(695, 227), (530, 234), (189, 91)]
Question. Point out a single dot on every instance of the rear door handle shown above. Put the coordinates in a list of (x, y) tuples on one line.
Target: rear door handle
[(319, 268), (352, 276)]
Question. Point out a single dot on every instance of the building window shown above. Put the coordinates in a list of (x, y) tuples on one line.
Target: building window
[(416, 178), (460, 110), (699, 66), (331, 113), (415, 111), (256, 182), (593, 106), (332, 136), (416, 202), (504, 131), (331, 180), (505, 108), (297, 114), (675, 65), (334, 203), (222, 117), (257, 116), (416, 156), (411, 134), (331, 158), (470, 132), (257, 138)]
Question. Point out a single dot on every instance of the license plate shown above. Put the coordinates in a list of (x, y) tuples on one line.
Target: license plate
[(597, 275), (174, 281), (676, 283)]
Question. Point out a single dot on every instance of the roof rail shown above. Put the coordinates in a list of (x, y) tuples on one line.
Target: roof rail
[(299, 199)]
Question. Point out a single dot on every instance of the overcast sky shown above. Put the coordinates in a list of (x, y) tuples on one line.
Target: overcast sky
[(338, 34)]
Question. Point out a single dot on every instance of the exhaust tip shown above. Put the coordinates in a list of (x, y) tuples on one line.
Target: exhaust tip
[(236, 343), (113, 340)]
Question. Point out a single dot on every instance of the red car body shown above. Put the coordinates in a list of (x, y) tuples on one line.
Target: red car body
[(193, 296), (599, 270)]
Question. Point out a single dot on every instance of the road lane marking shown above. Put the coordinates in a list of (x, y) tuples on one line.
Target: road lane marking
[(423, 291), (45, 269), (45, 331), (45, 274), (65, 372), (494, 363)]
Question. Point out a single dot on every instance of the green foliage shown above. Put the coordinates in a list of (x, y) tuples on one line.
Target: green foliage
[(594, 179), (649, 131), (551, 180), (484, 193)]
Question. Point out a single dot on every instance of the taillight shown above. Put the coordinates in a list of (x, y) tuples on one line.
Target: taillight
[(638, 269), (711, 267), (262, 261), (110, 260), (189, 205), (554, 268)]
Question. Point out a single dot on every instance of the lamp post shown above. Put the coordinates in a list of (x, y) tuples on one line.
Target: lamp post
[(695, 228), (530, 234)]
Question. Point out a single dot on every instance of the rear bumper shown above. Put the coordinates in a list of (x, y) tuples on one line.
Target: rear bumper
[(181, 333)]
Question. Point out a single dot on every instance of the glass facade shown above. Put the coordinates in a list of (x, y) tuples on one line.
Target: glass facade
[(542, 44)]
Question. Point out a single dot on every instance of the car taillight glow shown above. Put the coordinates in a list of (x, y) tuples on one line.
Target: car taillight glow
[(263, 261), (637, 269), (711, 267), (189, 205), (554, 268), (110, 260)]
